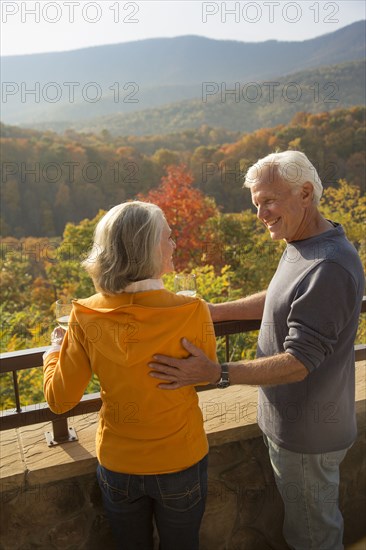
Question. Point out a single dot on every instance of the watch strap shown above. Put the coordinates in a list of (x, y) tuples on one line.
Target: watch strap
[(224, 381)]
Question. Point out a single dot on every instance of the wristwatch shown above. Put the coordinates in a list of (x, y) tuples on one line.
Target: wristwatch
[(224, 381)]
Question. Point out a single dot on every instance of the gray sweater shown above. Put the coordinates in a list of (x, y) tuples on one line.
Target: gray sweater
[(312, 311)]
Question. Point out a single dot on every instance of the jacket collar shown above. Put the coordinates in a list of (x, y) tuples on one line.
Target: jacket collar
[(146, 284)]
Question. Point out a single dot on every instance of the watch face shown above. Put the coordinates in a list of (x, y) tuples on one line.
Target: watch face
[(223, 384)]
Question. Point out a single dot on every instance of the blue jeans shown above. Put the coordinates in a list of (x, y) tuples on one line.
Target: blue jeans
[(309, 484), (176, 501)]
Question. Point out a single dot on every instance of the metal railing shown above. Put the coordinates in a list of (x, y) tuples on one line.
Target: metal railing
[(12, 362)]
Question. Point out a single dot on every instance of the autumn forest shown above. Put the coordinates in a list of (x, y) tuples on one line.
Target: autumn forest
[(49, 180), (55, 187)]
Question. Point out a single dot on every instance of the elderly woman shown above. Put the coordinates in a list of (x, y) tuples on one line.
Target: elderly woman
[(150, 444)]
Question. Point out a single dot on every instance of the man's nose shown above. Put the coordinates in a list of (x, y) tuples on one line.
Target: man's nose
[(261, 212)]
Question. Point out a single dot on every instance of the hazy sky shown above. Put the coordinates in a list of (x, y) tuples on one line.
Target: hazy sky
[(32, 27)]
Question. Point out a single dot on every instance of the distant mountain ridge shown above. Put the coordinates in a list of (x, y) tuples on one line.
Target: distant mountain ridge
[(154, 72), (315, 90)]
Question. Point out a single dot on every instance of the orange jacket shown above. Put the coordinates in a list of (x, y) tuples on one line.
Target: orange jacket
[(142, 429)]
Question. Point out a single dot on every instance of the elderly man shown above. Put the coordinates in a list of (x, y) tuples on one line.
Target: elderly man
[(305, 357)]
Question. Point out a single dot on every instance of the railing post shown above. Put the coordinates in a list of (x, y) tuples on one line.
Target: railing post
[(62, 433), (16, 391), (227, 347)]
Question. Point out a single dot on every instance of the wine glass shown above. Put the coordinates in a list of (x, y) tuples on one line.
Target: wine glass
[(63, 311), (185, 284)]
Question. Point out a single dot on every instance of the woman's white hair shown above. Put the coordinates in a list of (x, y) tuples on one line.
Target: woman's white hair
[(292, 167), (126, 246)]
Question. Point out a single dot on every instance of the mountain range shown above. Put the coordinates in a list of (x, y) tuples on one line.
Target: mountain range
[(126, 77), (312, 91), (91, 87)]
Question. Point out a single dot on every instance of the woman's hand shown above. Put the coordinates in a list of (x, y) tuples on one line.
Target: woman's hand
[(57, 336)]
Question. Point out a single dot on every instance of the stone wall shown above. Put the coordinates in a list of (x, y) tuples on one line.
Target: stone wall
[(244, 510)]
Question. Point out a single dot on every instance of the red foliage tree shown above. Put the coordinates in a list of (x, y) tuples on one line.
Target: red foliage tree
[(186, 209)]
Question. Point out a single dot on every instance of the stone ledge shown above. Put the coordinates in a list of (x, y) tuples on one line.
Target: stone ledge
[(12, 461), (229, 416)]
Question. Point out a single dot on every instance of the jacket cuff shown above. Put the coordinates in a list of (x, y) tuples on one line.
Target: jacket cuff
[(52, 349)]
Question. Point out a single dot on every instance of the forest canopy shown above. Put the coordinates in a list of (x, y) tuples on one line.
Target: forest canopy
[(48, 180)]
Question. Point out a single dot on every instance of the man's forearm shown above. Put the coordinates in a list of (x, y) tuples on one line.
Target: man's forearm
[(283, 368), (250, 307)]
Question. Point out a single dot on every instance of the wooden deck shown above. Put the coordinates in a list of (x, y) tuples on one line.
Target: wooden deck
[(229, 415)]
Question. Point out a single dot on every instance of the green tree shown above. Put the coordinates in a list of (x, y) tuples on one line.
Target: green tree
[(344, 204)]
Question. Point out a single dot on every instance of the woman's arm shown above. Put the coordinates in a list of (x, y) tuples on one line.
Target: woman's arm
[(66, 374)]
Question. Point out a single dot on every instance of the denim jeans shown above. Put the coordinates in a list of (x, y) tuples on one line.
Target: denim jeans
[(176, 501), (309, 486)]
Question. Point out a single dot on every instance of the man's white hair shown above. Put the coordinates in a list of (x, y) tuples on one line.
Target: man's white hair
[(292, 167)]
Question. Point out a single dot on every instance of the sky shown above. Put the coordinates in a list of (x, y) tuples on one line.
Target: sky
[(48, 26)]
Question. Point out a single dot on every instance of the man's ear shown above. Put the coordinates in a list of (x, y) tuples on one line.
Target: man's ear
[(307, 193)]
